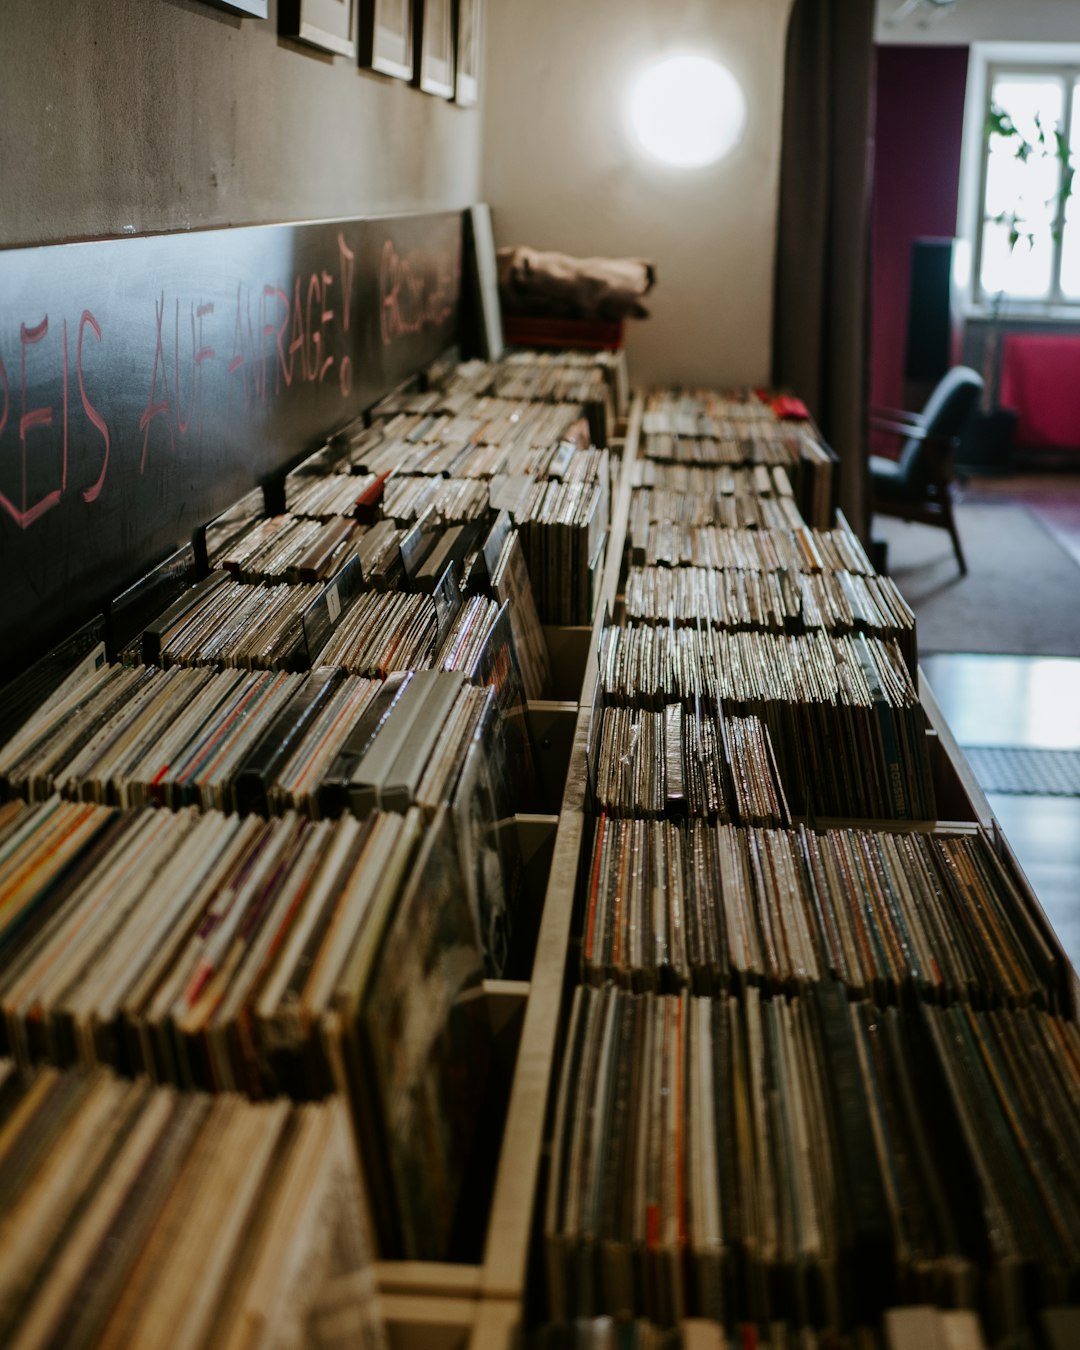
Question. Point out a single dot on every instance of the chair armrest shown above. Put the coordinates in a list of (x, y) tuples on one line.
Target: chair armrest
[(909, 430), (896, 415)]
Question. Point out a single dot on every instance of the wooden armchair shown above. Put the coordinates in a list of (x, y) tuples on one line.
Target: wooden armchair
[(917, 486)]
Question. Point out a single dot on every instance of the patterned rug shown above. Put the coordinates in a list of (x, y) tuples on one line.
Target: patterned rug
[(1021, 594)]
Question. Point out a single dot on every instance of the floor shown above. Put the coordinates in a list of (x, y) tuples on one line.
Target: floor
[(1053, 497), (1029, 703)]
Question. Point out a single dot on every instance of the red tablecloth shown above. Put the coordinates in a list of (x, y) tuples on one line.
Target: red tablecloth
[(1040, 380)]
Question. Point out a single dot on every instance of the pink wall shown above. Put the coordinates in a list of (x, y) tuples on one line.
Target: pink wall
[(920, 113)]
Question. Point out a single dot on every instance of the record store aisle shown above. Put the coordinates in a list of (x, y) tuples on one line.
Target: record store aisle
[(1018, 721), (789, 1052)]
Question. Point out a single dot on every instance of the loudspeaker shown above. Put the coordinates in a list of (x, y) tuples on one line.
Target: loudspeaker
[(929, 328)]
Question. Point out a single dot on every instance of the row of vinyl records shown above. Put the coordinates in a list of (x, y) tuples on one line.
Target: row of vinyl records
[(813, 1160), (146, 1216), (597, 381), (320, 743), (220, 622), (809, 1072), (134, 1215), (892, 915), (843, 716), (839, 602), (226, 953), (674, 763), (912, 1328), (705, 429), (800, 549)]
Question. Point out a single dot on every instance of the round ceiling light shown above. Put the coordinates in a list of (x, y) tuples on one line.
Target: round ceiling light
[(687, 111)]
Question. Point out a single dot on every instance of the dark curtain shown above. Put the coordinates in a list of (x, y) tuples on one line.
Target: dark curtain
[(821, 320)]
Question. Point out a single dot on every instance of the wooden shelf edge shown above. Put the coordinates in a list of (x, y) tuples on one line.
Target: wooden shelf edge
[(496, 1324), (976, 798), (427, 1279), (509, 1234)]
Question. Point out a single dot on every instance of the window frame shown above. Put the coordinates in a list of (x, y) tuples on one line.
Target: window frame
[(987, 62)]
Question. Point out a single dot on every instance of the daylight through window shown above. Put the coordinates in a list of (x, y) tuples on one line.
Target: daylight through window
[(1029, 239)]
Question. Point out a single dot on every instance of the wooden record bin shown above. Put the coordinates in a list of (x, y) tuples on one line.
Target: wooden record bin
[(449, 1305), (504, 1275), (326, 306)]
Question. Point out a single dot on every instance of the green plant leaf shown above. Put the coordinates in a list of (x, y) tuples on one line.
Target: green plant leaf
[(999, 123), (1040, 139)]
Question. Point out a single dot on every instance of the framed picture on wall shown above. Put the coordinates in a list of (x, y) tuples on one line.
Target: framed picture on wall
[(386, 37), (256, 8), (437, 47), (327, 24), (469, 13)]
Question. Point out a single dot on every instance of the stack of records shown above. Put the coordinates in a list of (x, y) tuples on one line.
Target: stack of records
[(451, 501), (549, 377), (744, 511), (139, 1216), (287, 548), (652, 764), (847, 727), (563, 528), (492, 421), (511, 586), (135, 735), (702, 427), (672, 905), (668, 544), (761, 480), (916, 1328), (230, 953), (605, 1333), (229, 623), (336, 494), (812, 1160), (776, 601)]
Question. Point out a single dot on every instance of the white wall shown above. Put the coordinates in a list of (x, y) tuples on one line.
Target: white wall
[(165, 114), (560, 173), (985, 21)]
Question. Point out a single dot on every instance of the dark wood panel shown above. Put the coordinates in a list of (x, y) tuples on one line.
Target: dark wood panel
[(146, 383)]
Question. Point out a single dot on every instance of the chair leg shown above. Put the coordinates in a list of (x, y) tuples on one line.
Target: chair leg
[(950, 525)]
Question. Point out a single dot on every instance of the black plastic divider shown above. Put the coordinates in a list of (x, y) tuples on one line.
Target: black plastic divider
[(227, 526), (129, 613), (23, 696), (329, 607)]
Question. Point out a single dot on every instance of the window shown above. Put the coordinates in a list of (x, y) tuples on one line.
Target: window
[(1023, 220)]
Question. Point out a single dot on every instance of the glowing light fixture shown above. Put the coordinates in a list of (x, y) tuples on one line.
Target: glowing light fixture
[(687, 111)]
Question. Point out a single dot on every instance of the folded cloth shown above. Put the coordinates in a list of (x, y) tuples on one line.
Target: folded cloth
[(555, 284)]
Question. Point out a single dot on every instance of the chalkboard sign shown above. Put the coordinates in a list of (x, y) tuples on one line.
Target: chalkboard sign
[(146, 383)]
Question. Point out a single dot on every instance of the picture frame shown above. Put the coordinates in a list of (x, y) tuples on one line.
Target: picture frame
[(435, 24), (329, 25), (467, 48), (255, 9), (386, 39)]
